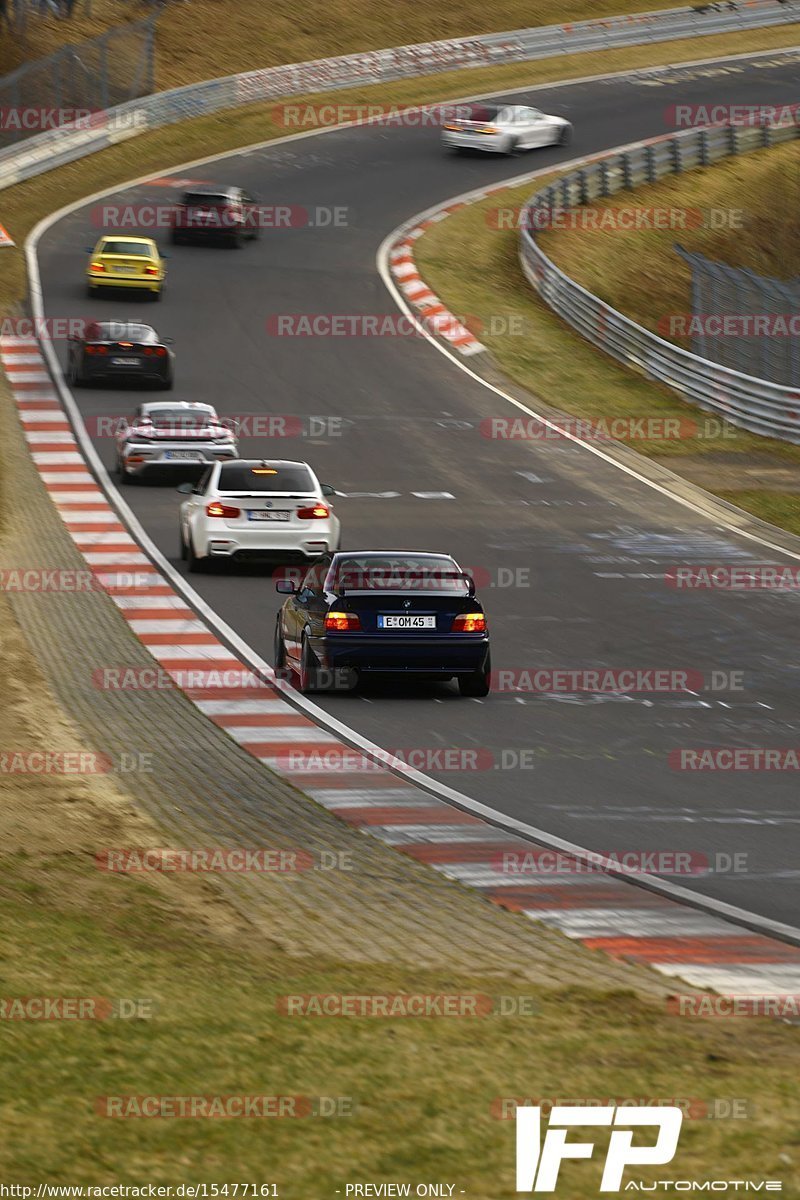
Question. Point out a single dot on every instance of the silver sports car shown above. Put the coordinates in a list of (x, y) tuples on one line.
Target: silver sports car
[(504, 129)]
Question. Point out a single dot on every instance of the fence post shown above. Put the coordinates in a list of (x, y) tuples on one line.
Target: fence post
[(677, 161), (733, 139), (650, 162), (103, 72), (704, 155), (627, 170)]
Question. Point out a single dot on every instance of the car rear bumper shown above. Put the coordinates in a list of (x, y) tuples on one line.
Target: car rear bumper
[(493, 143), (156, 457), (135, 282), (106, 370), (269, 543), (400, 655)]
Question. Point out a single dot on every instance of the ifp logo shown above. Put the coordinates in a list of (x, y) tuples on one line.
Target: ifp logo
[(538, 1164)]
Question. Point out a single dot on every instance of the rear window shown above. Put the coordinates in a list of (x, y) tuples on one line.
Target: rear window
[(126, 248), (482, 112), (404, 573), (207, 199), (179, 418), (268, 478), (121, 331)]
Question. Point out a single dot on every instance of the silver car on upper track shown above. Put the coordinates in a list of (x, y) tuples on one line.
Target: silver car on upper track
[(504, 129)]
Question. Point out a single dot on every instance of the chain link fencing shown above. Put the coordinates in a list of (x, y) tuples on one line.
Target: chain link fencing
[(744, 321), (78, 83)]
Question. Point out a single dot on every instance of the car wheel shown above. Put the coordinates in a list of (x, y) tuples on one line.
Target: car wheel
[(92, 290), (307, 680), (565, 137), (183, 543), (195, 565), (175, 238), (512, 148), (236, 241), (168, 383), (155, 295), (478, 683), (73, 378)]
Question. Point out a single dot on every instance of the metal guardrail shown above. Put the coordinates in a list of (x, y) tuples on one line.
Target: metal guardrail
[(46, 151), (752, 403)]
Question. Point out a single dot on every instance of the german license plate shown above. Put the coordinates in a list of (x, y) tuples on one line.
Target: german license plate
[(190, 454), (125, 270), (260, 514), (406, 622), (125, 362)]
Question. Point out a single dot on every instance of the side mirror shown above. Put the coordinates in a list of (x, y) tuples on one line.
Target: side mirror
[(286, 587), (186, 488), (327, 490), (90, 249), (168, 341), (470, 585)]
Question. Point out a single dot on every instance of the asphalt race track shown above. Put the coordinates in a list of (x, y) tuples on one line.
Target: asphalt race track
[(595, 543)]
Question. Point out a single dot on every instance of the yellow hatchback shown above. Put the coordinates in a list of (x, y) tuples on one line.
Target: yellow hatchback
[(126, 262)]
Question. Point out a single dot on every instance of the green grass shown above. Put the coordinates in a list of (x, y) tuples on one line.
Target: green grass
[(639, 272), (421, 1089)]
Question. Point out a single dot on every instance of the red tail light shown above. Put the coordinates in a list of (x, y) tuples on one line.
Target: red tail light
[(341, 622), (151, 270), (217, 509), (315, 511), (96, 349), (160, 352), (469, 623), (97, 267)]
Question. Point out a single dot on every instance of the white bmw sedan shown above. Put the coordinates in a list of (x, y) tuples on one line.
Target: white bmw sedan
[(504, 129), (257, 509)]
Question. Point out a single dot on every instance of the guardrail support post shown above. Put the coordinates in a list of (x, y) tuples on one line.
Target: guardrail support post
[(627, 170), (704, 155), (650, 163), (604, 178), (733, 139), (677, 161)]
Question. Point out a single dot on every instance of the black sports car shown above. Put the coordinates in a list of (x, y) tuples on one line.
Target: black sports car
[(120, 350), (394, 613)]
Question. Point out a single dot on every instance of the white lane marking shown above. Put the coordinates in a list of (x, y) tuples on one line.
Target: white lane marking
[(51, 458), (632, 922), (241, 647), (737, 978), (177, 625), (75, 516), (280, 733), (210, 650), (68, 477), (165, 602), (334, 798), (232, 708)]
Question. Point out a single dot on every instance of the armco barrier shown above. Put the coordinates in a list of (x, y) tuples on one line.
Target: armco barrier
[(754, 404), (51, 149)]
